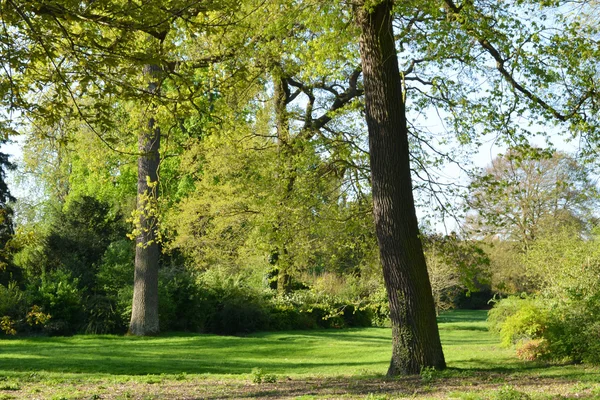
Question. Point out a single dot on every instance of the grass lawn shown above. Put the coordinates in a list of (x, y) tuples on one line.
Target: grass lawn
[(320, 364)]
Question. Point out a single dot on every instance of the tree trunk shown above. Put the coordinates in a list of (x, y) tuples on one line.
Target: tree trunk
[(415, 335), (144, 310), (281, 97)]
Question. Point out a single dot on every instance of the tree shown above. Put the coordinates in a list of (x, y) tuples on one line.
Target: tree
[(90, 58), (144, 309), (272, 183), (7, 271), (78, 237), (456, 266), (415, 337), (520, 196), (447, 49)]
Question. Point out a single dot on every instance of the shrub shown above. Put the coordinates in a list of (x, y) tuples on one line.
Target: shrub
[(529, 322), (102, 315), (549, 330), (15, 314), (574, 332), (306, 310), (183, 304), (503, 309), (238, 313), (520, 320), (12, 301), (225, 304), (58, 295), (7, 325), (531, 350)]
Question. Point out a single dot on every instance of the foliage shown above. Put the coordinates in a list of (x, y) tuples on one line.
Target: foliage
[(455, 267), (259, 376), (8, 271), (532, 350), (549, 330), (573, 332), (508, 274), (17, 315), (565, 264), (510, 393), (79, 237), (530, 321), (548, 327), (502, 310), (521, 196), (12, 300), (57, 293)]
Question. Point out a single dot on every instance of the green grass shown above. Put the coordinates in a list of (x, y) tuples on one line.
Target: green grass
[(467, 344), (308, 352), (97, 363)]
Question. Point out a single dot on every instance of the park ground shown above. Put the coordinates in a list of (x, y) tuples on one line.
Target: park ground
[(319, 364)]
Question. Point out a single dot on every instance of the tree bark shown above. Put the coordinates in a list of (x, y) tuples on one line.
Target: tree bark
[(415, 335), (144, 310), (280, 256)]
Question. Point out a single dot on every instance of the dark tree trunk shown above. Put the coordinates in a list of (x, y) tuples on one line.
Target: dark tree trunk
[(281, 98), (416, 340), (144, 310)]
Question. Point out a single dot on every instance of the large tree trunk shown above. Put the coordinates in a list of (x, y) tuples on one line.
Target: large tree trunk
[(280, 256), (416, 340), (144, 310)]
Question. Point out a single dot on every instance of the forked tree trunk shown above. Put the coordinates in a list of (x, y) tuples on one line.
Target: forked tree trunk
[(416, 340), (144, 310)]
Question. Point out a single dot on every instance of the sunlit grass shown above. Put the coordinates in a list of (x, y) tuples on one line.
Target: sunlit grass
[(466, 341), (100, 363)]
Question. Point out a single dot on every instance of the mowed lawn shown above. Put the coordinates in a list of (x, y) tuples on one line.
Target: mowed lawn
[(319, 363), (467, 344)]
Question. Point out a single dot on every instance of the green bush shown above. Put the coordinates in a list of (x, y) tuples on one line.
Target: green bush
[(238, 313), (12, 301), (103, 316), (183, 302), (573, 332), (12, 308), (233, 307), (306, 309), (57, 294), (116, 267), (549, 330), (502, 310), (529, 322)]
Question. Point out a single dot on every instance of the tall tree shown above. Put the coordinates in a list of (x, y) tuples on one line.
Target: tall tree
[(415, 338), (89, 57), (478, 65), (6, 220), (144, 309), (519, 196)]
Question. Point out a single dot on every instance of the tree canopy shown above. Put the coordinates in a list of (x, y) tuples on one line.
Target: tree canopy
[(281, 143)]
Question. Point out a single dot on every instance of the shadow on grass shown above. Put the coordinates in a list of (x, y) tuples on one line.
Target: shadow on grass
[(463, 327), (472, 352), (483, 384), (313, 352), (463, 316)]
